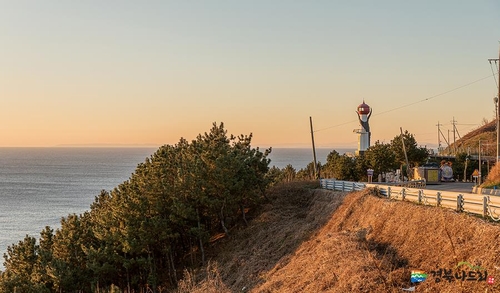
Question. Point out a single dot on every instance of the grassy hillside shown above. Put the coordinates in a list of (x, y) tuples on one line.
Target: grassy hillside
[(470, 141), (312, 240)]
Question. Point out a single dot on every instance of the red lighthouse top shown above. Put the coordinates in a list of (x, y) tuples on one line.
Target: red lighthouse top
[(363, 109)]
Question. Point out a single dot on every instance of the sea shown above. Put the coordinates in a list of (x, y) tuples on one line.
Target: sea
[(39, 186)]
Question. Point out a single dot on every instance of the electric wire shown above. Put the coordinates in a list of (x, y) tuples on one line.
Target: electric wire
[(411, 104)]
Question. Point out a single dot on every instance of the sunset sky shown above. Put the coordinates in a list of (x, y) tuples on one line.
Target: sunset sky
[(150, 72)]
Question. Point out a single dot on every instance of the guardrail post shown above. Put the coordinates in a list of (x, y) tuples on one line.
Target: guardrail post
[(388, 192), (403, 194), (420, 196), (438, 199), (343, 184), (460, 203), (485, 206)]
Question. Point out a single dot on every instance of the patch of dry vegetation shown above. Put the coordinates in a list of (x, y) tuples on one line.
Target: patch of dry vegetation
[(493, 178), (404, 236), (312, 240), (485, 133)]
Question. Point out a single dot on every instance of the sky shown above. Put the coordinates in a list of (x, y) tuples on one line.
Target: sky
[(150, 72)]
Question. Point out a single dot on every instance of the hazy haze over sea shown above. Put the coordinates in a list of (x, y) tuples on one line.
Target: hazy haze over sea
[(299, 158)]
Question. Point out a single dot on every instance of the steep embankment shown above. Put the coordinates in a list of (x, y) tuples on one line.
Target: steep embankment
[(469, 142), (311, 240)]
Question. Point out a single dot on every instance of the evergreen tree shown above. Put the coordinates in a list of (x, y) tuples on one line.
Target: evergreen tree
[(288, 173), (274, 175), (340, 167), (360, 167), (104, 259), (327, 169), (308, 173), (20, 263), (416, 155), (147, 229), (42, 272), (381, 158), (69, 259)]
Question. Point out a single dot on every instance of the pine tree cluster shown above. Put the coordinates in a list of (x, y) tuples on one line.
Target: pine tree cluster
[(140, 236)]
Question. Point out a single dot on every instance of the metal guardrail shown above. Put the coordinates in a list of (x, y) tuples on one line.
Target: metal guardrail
[(478, 204), (341, 185), (489, 191)]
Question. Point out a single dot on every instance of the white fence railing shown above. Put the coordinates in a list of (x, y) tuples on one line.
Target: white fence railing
[(479, 204), (342, 185)]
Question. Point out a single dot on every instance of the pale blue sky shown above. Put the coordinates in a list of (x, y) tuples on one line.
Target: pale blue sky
[(149, 72)]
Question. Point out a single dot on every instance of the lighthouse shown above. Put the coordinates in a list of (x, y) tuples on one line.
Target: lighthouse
[(364, 112)]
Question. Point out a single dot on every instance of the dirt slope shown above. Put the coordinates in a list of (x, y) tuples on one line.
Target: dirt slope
[(469, 142), (311, 240)]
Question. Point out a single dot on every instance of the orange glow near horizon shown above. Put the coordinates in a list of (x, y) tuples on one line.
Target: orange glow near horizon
[(75, 74)]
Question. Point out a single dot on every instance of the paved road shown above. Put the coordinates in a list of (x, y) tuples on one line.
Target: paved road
[(452, 186)]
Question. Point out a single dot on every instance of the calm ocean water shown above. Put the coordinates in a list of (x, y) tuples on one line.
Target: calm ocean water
[(38, 186)]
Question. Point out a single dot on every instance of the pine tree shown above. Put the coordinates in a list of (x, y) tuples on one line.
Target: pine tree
[(69, 258), (381, 158), (20, 263), (150, 227)]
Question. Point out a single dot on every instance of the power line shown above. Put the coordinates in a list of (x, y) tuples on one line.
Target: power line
[(414, 103), (345, 123), (435, 96)]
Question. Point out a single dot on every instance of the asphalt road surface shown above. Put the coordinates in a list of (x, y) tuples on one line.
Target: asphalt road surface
[(452, 186)]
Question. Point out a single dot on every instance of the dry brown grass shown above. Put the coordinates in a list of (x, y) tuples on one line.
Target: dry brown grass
[(209, 281), (493, 178), (311, 240)]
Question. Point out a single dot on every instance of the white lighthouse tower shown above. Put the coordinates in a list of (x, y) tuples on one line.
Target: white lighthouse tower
[(364, 112)]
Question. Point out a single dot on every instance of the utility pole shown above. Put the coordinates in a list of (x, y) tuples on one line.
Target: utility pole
[(495, 100), (406, 156), (316, 171), (442, 135), (449, 148), (498, 97), (479, 173), (439, 138), (454, 137), (466, 161)]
